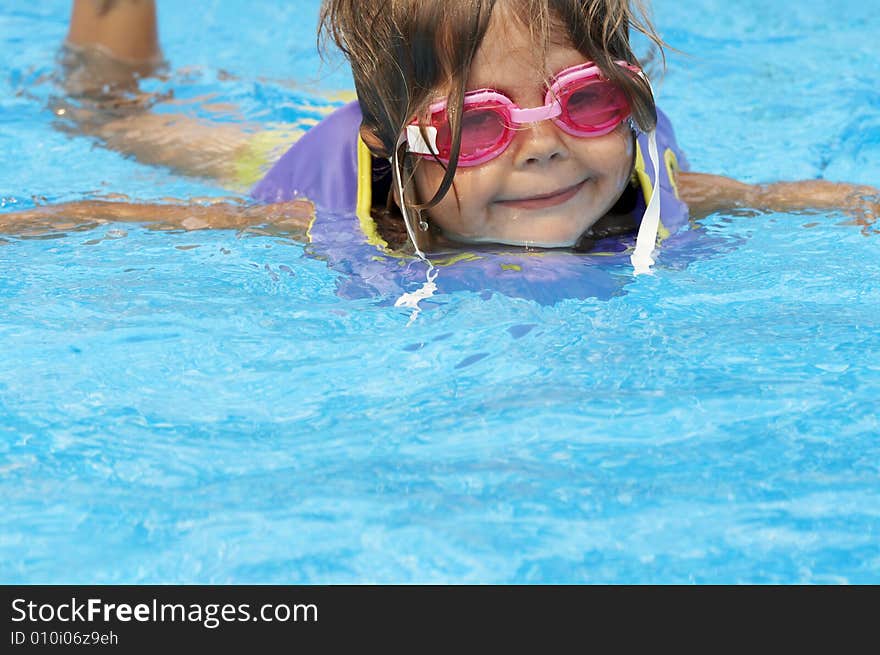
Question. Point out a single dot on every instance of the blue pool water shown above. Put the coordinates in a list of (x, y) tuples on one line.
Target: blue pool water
[(210, 407)]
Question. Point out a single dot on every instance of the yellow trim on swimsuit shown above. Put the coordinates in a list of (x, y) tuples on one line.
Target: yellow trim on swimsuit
[(645, 183), (672, 168), (261, 151), (364, 204)]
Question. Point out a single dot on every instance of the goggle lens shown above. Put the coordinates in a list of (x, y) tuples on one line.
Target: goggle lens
[(483, 130), (594, 106)]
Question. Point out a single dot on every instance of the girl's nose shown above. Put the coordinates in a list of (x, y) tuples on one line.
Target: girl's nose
[(539, 144)]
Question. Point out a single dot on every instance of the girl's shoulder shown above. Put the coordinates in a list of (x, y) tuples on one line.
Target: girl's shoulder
[(322, 165)]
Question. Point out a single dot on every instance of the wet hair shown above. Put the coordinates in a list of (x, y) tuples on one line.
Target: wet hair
[(402, 51)]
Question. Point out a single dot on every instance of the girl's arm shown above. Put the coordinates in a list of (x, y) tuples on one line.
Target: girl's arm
[(290, 218), (707, 194)]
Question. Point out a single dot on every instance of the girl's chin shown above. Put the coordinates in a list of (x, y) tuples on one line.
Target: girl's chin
[(534, 231), (515, 240)]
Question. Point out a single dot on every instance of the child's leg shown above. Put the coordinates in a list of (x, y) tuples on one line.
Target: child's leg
[(125, 29), (110, 46)]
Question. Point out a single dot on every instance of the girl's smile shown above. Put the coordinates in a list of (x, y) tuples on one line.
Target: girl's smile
[(545, 200)]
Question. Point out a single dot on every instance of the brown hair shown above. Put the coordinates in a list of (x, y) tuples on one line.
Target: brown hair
[(402, 51)]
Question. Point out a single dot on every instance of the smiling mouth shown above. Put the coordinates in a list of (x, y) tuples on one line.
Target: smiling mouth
[(543, 201)]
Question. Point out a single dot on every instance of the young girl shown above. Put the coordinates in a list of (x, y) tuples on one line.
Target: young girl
[(514, 122)]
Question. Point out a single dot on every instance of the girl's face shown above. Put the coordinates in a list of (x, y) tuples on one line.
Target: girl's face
[(548, 187)]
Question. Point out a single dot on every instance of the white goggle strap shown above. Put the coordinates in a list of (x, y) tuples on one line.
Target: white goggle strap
[(416, 142), (646, 240), (411, 299), (397, 168), (647, 237)]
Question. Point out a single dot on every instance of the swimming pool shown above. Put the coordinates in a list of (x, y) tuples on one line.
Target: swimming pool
[(213, 407)]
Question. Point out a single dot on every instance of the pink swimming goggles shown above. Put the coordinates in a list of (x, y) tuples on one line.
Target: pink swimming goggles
[(581, 101)]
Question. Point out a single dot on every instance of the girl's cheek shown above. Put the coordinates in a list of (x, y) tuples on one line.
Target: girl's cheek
[(426, 180), (483, 183), (626, 148)]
